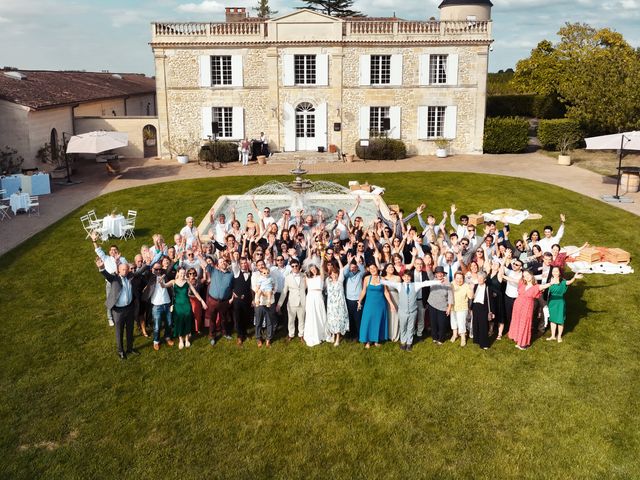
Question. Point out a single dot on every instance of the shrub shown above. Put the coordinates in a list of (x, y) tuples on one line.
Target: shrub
[(559, 134), (506, 135), (510, 106), (548, 106), (10, 161), (382, 149), (223, 151)]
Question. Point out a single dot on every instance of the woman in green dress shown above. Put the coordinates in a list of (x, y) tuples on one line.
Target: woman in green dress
[(182, 315), (556, 303)]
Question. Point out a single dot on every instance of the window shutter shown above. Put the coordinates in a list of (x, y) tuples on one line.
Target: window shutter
[(207, 116), (289, 117), (321, 125), (237, 123), (364, 122), (424, 69), (205, 71), (236, 71), (322, 69), (396, 69), (422, 122), (452, 69), (365, 73), (450, 122), (394, 122), (288, 78)]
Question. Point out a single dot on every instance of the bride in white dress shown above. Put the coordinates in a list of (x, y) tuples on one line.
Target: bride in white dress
[(315, 324)]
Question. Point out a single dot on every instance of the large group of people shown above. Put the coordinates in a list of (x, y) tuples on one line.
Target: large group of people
[(322, 279)]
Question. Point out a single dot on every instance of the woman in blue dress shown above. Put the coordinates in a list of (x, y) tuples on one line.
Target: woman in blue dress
[(374, 326)]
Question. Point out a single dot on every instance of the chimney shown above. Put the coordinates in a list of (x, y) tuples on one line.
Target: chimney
[(235, 14)]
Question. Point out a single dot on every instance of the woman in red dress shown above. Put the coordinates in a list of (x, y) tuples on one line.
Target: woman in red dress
[(522, 316)]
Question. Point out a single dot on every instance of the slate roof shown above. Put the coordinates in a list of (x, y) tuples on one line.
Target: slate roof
[(40, 89)]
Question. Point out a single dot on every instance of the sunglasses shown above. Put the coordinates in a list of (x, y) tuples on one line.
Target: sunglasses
[(192, 274), (294, 265)]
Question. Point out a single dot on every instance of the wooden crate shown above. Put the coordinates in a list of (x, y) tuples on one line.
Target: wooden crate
[(589, 255), (475, 219), (616, 255), (366, 188)]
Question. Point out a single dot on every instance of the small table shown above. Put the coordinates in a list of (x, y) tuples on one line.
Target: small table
[(112, 226), (19, 201)]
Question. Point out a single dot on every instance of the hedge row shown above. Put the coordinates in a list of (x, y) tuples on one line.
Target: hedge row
[(506, 135), (531, 106), (382, 149), (559, 134), (223, 151)]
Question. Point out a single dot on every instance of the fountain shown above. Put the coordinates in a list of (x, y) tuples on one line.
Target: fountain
[(299, 195)]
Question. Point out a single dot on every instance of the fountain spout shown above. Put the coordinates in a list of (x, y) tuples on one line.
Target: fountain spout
[(300, 185)]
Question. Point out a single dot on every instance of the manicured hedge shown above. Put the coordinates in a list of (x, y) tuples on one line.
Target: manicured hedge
[(551, 133), (530, 106), (223, 151), (382, 149), (506, 135)]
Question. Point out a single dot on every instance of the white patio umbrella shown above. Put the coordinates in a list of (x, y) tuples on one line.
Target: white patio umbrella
[(97, 142), (617, 141)]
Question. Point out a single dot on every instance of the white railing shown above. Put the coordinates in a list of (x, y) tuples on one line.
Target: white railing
[(192, 29)]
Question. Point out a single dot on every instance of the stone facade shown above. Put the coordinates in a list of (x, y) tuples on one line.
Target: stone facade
[(268, 100)]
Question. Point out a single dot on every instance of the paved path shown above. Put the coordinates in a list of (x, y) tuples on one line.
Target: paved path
[(95, 181)]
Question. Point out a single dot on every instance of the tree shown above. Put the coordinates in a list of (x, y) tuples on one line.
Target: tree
[(595, 73), (336, 8), (263, 9)]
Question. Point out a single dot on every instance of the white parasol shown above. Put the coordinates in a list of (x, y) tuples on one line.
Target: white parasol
[(96, 142)]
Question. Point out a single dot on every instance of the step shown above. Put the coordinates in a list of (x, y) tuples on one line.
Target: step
[(292, 158)]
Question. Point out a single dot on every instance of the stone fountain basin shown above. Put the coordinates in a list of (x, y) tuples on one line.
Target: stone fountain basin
[(309, 202)]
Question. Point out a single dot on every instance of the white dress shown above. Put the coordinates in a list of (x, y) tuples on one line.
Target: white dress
[(337, 314), (315, 316)]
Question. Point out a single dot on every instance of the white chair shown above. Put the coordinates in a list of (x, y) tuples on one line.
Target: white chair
[(33, 206), (95, 221), (4, 212), (3, 193), (129, 226)]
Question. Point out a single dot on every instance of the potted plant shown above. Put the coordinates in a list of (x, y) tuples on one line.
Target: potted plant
[(149, 136), (442, 146), (55, 158), (181, 148), (349, 157), (566, 143)]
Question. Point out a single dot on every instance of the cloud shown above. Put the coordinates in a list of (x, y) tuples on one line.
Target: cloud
[(206, 6), (122, 18), (4, 20)]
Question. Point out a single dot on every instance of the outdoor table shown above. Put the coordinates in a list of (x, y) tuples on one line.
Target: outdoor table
[(38, 184), (19, 201), (112, 226), (11, 183)]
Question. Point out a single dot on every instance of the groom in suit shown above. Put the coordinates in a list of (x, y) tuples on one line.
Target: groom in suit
[(295, 285), (120, 302)]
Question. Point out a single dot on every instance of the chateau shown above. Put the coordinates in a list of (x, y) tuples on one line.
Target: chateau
[(309, 80)]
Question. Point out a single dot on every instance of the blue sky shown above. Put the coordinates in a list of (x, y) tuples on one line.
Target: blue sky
[(114, 34)]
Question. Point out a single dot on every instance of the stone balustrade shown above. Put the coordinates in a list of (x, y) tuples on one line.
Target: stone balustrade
[(351, 30)]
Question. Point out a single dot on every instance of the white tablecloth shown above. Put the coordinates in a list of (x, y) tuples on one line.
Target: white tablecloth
[(19, 201), (112, 226)]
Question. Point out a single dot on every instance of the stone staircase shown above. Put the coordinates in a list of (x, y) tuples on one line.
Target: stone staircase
[(308, 158)]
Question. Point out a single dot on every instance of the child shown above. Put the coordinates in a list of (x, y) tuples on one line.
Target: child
[(264, 295)]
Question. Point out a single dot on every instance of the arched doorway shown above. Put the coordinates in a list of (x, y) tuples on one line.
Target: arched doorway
[(55, 148), (305, 126), (150, 140)]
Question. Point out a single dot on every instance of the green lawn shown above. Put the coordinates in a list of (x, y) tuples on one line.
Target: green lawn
[(70, 409)]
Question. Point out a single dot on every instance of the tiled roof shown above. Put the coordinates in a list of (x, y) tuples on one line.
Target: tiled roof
[(39, 89)]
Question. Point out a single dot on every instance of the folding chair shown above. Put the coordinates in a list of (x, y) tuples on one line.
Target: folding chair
[(129, 226), (33, 206), (4, 212), (95, 221)]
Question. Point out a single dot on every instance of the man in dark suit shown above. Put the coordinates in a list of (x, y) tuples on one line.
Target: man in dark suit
[(120, 302), (242, 300)]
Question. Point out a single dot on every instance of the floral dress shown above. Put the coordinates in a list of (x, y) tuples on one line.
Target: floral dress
[(337, 315)]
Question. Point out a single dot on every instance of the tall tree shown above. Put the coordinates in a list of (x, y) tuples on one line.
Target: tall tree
[(596, 73), (263, 10), (335, 8)]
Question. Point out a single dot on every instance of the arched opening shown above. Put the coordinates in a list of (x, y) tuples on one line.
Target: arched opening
[(55, 148), (150, 140), (305, 126)]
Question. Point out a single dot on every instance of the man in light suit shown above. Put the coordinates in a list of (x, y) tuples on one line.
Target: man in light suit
[(295, 286), (120, 302)]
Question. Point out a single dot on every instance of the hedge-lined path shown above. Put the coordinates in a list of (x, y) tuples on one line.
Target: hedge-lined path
[(95, 181)]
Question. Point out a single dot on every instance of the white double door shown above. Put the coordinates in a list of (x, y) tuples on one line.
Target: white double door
[(305, 126)]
